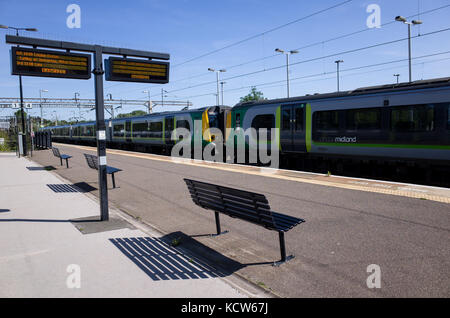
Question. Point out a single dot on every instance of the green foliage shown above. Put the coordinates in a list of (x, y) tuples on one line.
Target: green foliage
[(134, 113), (8, 142), (254, 95)]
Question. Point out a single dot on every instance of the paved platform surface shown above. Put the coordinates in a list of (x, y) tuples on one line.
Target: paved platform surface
[(350, 224), (50, 240)]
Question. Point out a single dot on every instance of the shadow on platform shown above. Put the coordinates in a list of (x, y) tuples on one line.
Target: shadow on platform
[(160, 260), (47, 168), (81, 187)]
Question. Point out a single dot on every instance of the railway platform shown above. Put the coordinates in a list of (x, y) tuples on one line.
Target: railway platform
[(51, 245), (352, 225)]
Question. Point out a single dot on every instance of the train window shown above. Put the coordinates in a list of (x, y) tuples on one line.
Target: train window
[(169, 124), (286, 119), (412, 118), (90, 131), (156, 129), (364, 119), (266, 121), (213, 121), (448, 117), (119, 130), (326, 120), (140, 130), (238, 120), (183, 124), (298, 119)]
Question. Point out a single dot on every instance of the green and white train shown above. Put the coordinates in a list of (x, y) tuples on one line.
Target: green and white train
[(402, 123)]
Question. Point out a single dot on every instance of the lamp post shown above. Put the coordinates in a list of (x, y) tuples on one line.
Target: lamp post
[(338, 76), (40, 104), (217, 82), (221, 88), (112, 106), (150, 108), (76, 103), (22, 113), (287, 53), (397, 75), (162, 96), (413, 22)]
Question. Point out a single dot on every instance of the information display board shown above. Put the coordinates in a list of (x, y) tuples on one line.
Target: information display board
[(34, 62), (134, 70)]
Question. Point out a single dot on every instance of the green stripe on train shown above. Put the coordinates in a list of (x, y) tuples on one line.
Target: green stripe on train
[(437, 147), (308, 128)]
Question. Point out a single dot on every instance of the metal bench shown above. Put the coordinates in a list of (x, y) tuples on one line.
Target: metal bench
[(57, 154), (92, 162), (248, 206)]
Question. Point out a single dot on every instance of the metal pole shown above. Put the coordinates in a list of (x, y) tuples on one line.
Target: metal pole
[(22, 114), (409, 51), (287, 74), (218, 94), (149, 103), (40, 103), (338, 82), (221, 83), (101, 133)]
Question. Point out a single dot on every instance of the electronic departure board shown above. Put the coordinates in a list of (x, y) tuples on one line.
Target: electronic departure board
[(133, 70), (34, 62)]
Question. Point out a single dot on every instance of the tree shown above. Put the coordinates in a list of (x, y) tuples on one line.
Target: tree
[(254, 95), (134, 113)]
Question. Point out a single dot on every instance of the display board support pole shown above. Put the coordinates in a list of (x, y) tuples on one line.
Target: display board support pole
[(101, 132)]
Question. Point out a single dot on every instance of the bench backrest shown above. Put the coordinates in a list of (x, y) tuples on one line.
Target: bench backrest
[(91, 161), (56, 152), (249, 206)]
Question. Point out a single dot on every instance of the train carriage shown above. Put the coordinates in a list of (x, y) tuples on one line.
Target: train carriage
[(400, 123), (150, 132)]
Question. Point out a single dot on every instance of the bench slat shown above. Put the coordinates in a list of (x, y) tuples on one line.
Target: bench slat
[(238, 193), (253, 218), (226, 198), (234, 210), (253, 207)]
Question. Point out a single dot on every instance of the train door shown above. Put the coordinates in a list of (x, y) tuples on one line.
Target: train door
[(292, 128), (128, 131)]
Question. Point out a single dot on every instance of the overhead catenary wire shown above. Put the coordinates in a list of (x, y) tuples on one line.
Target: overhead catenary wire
[(300, 48), (315, 43), (264, 33), (332, 72), (312, 60)]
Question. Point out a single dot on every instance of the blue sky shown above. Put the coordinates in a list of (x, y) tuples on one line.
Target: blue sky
[(187, 29)]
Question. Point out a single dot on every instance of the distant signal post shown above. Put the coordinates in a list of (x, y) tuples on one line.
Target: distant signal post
[(66, 64)]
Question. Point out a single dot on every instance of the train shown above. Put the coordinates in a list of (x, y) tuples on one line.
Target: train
[(393, 125)]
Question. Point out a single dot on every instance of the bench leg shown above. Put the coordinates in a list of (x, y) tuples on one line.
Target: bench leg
[(67, 163), (284, 258), (219, 231), (113, 180), (61, 161)]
